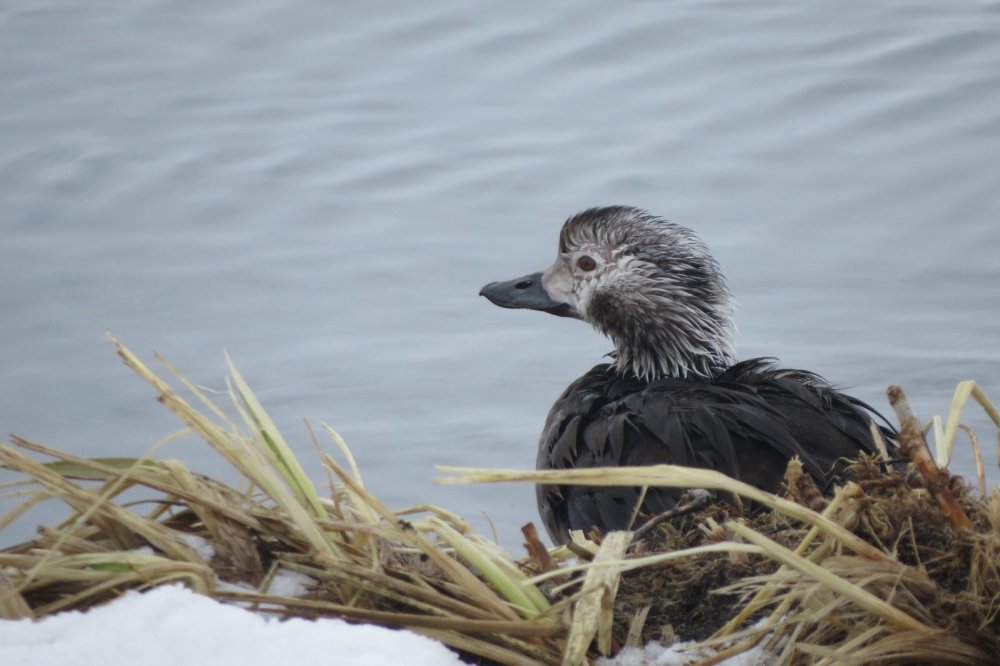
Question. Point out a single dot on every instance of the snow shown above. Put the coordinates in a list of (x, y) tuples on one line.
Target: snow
[(655, 654), (171, 625), (290, 584), (201, 545)]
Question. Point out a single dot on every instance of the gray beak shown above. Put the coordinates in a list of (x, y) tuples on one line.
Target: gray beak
[(525, 293)]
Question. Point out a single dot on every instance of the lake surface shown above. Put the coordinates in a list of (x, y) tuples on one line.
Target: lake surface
[(321, 189)]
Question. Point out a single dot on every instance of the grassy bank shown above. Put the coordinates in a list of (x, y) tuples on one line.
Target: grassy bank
[(900, 566)]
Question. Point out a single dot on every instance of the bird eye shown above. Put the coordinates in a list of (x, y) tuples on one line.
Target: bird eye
[(586, 263)]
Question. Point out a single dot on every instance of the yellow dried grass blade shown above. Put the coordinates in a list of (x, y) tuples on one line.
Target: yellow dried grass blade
[(514, 573), (846, 589), (358, 500), (87, 503), (633, 563), (154, 475), (218, 439), (452, 568), (674, 476), (196, 391), (883, 450), (481, 560), (977, 453), (964, 390), (592, 613), (12, 604), (346, 451), (768, 592), (241, 454), (84, 472), (122, 561), (942, 454), (23, 507), (277, 448)]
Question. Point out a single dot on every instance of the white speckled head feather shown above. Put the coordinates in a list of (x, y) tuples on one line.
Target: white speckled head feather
[(651, 286)]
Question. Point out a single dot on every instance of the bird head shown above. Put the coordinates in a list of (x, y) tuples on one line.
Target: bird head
[(650, 285)]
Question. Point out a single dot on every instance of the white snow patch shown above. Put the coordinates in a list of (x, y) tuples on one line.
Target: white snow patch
[(172, 625), (238, 586), (655, 654), (200, 545), (288, 583)]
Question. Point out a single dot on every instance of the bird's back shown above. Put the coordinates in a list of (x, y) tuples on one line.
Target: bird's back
[(747, 422)]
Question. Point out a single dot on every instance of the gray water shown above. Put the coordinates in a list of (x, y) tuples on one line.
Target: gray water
[(321, 188)]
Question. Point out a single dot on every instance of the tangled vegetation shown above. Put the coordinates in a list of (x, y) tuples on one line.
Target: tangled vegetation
[(902, 565)]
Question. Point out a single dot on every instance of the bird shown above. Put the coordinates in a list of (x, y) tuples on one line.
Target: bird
[(673, 390)]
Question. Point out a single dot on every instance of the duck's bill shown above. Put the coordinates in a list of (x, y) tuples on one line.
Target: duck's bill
[(526, 293)]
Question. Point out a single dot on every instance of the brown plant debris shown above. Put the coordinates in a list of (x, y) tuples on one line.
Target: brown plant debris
[(885, 572)]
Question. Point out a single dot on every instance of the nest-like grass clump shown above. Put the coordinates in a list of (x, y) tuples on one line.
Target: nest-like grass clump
[(902, 565), (946, 577), (422, 569), (683, 596)]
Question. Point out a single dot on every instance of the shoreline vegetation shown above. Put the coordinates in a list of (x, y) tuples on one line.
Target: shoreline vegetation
[(900, 565)]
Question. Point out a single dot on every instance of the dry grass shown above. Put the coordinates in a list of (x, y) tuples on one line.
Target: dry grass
[(879, 574), (426, 572), (884, 574)]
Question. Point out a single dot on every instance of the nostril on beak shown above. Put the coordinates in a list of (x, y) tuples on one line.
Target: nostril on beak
[(524, 284)]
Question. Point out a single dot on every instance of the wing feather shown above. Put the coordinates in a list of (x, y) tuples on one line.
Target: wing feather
[(747, 422)]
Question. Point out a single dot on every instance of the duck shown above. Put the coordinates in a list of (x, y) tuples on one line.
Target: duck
[(673, 390)]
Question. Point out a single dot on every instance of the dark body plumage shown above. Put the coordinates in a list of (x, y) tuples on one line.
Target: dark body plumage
[(747, 422), (674, 393)]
